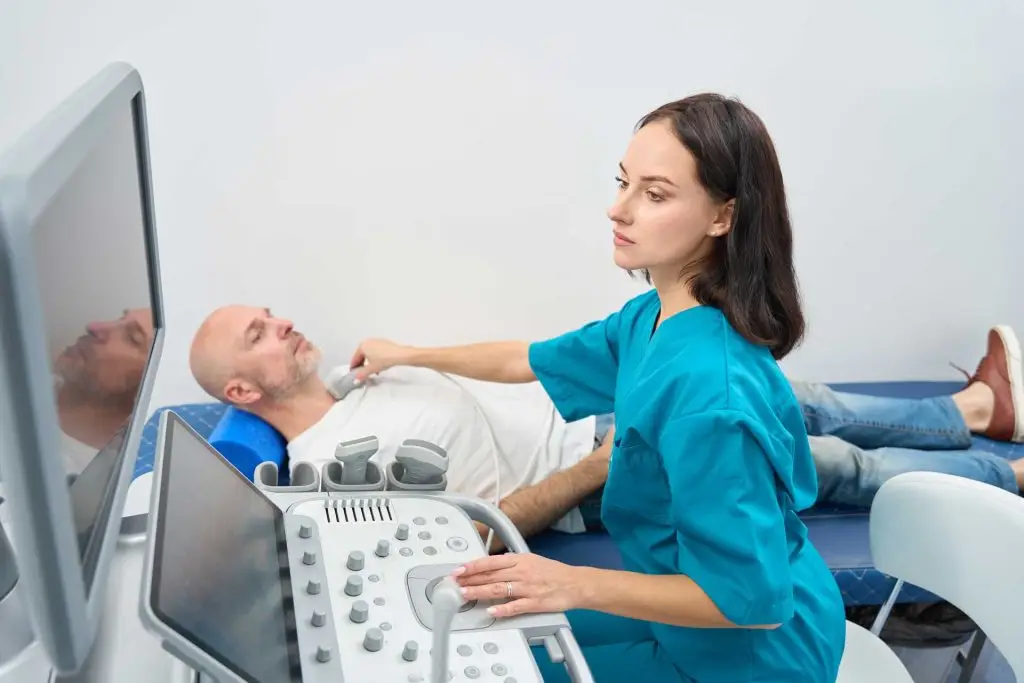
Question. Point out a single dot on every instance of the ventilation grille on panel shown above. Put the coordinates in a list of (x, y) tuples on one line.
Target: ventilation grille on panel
[(358, 510)]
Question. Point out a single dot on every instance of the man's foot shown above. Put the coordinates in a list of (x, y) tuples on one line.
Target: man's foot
[(1000, 371)]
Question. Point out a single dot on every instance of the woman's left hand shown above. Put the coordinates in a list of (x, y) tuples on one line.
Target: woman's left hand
[(536, 583)]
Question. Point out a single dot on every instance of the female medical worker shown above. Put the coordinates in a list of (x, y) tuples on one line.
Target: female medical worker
[(710, 461)]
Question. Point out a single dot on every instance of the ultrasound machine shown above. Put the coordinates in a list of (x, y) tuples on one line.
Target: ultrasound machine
[(340, 575)]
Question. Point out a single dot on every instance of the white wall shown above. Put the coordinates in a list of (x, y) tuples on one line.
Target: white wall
[(438, 172)]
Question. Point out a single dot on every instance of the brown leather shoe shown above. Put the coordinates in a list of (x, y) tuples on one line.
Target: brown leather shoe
[(1000, 370)]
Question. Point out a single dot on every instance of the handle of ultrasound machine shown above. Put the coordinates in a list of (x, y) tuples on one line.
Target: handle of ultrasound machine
[(487, 513)]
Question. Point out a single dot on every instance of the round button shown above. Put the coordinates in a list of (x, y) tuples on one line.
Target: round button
[(464, 650), (360, 612), (441, 520), (385, 626), (323, 654), (373, 578), (415, 678), (472, 672), (491, 648), (354, 585), (430, 550), (457, 543), (374, 640), (499, 670), (510, 679), (319, 618), (355, 561), (305, 531), (405, 552), (411, 651), (309, 557), (419, 521), (424, 535), (313, 587), (402, 533), (383, 548), (378, 601)]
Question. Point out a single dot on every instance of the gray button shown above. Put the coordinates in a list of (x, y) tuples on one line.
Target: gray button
[(403, 532), (378, 601), (405, 552), (415, 678), (309, 557), (411, 651), (360, 612), (383, 548), (424, 535), (305, 531), (491, 648), (319, 618), (323, 654), (457, 543), (385, 626), (313, 587), (510, 679), (464, 650), (430, 550), (441, 520), (499, 670), (373, 578), (472, 672), (354, 585), (419, 521), (355, 561), (374, 640)]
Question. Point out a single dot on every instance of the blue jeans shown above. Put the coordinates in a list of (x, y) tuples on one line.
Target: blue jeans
[(860, 442)]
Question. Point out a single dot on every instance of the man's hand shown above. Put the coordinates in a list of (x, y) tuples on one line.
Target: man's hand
[(377, 355)]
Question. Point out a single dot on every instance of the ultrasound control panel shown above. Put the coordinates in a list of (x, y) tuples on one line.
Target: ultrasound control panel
[(263, 584)]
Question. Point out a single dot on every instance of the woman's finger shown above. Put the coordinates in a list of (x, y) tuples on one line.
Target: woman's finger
[(511, 609), (497, 576), (495, 591), (486, 564)]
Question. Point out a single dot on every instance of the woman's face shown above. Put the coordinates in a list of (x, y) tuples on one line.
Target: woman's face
[(662, 218)]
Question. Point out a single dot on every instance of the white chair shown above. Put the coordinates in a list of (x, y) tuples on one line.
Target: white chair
[(958, 539)]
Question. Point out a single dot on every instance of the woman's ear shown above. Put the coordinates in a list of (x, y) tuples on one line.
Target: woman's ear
[(723, 219)]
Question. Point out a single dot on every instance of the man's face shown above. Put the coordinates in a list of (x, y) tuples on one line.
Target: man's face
[(107, 361), (271, 358)]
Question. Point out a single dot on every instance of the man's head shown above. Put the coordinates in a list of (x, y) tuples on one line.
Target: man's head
[(246, 356), (106, 363)]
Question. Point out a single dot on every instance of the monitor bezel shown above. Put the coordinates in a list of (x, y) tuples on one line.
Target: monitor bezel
[(65, 612)]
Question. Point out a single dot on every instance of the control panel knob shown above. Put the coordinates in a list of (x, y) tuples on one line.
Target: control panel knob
[(374, 640), (309, 557), (319, 618), (305, 531), (410, 651), (323, 654), (383, 548), (354, 585), (360, 612), (402, 533), (313, 587), (355, 561)]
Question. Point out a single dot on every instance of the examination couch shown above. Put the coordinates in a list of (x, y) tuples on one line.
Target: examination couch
[(840, 534)]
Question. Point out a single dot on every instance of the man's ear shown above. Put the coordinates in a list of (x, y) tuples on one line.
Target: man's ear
[(240, 392), (723, 219)]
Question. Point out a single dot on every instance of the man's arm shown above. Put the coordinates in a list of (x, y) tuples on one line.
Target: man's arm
[(535, 508)]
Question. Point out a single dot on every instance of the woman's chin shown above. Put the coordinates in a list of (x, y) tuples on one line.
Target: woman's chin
[(626, 261)]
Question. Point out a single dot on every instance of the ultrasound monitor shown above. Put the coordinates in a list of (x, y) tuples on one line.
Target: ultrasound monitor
[(81, 330), (217, 585)]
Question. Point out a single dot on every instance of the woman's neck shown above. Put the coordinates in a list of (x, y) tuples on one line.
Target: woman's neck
[(674, 294)]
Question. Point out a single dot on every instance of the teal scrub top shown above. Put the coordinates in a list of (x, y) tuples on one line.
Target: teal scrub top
[(710, 465)]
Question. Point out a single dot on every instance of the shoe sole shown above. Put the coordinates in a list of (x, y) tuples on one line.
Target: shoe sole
[(1013, 371)]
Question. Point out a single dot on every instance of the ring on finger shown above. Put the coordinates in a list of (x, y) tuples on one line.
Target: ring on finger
[(508, 590)]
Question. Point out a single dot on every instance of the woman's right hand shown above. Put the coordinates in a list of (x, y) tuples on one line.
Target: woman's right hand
[(377, 355)]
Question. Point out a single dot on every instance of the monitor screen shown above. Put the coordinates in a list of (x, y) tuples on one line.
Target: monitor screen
[(220, 569), (91, 262)]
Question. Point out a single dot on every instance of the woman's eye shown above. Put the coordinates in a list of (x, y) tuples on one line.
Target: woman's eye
[(654, 196), (620, 182)]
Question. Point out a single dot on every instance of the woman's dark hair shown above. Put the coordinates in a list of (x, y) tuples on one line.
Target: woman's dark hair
[(749, 272)]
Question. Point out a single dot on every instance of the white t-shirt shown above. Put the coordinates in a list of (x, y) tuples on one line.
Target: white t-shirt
[(76, 454), (494, 434)]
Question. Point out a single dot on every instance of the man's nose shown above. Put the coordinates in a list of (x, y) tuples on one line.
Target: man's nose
[(284, 327)]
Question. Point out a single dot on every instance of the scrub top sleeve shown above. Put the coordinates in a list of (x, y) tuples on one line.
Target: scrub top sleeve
[(578, 369), (730, 527)]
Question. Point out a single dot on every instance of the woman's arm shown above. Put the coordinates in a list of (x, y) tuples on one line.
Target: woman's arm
[(506, 362)]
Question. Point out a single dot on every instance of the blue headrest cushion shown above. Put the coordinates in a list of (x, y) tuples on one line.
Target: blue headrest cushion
[(247, 440)]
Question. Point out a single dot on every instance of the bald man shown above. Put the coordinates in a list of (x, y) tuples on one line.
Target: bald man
[(503, 442), (97, 380)]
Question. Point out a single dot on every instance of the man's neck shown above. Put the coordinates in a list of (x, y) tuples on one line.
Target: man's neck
[(89, 422), (297, 412)]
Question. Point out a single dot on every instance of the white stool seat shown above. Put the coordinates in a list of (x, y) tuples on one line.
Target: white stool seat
[(869, 660)]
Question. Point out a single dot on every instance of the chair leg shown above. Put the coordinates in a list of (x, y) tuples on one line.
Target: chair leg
[(971, 664), (883, 614)]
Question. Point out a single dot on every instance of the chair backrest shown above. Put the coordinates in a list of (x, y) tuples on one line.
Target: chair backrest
[(963, 541)]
